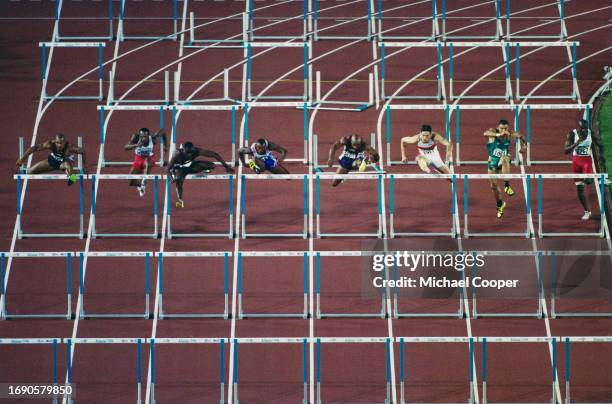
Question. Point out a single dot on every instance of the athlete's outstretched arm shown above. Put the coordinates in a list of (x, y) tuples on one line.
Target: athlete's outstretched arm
[(406, 140), (216, 156), (332, 150), (134, 142), (373, 153), (517, 135), (242, 152), (279, 149), (33, 149), (161, 133), (570, 145)]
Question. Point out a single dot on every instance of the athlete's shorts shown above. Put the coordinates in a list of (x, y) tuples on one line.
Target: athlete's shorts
[(141, 161), (53, 162), (582, 164), (270, 162), (433, 159)]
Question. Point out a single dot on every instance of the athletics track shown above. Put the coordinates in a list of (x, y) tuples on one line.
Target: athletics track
[(273, 359)]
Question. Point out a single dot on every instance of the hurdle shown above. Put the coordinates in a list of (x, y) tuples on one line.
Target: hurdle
[(336, 105), (226, 97), (447, 129), (562, 27), (122, 100), (189, 341), (45, 45), (108, 37), (539, 311), (602, 207), (434, 25), (551, 341), (138, 342), (172, 36), (571, 47), (79, 158), (229, 234), (554, 311), (114, 254), (193, 254), (317, 168), (3, 296), (505, 48), (466, 206), (217, 43), (101, 114), (23, 177), (494, 37), (251, 22), (454, 231), (269, 177), (459, 313), (439, 95), (354, 340), (53, 342), (155, 234), (403, 341), (242, 314), (369, 19), (382, 313), (305, 45), (328, 176), (576, 340)]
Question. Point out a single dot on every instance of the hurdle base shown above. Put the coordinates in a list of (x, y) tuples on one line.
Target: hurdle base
[(84, 316), (65, 316), (274, 235), (544, 234), (322, 235), (502, 315), (467, 234), (395, 234), (71, 97), (349, 315), (200, 235), (21, 235), (272, 315), (119, 235), (194, 315), (556, 314)]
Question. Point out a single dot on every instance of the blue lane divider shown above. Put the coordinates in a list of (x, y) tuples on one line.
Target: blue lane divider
[(101, 125), (240, 273), (318, 360), (305, 359), (69, 360), (305, 272), (222, 361), (539, 194), (81, 265), (68, 274), (152, 347), (235, 361), (147, 272), (160, 270), (318, 271), (466, 199), (518, 60), (401, 358), (100, 60), (471, 359), (484, 360), (54, 364), (225, 273), (305, 192), (391, 192), (450, 61), (139, 361), (382, 61), (44, 61)]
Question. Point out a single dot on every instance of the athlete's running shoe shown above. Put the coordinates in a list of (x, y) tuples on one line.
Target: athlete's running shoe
[(141, 190), (587, 215), (180, 204), (508, 190), (500, 210), (72, 178)]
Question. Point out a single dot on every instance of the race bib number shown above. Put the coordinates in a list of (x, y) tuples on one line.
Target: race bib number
[(583, 151), (499, 153)]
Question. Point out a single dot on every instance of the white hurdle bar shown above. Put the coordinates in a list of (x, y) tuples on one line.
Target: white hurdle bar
[(250, 28), (382, 313), (171, 37), (337, 105), (494, 37), (101, 113), (112, 99), (368, 19), (304, 314), (229, 234), (194, 254), (114, 254), (3, 296), (562, 29), (439, 95), (45, 45), (156, 178), (303, 177), (21, 178), (434, 25), (213, 43), (454, 231), (306, 52)]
